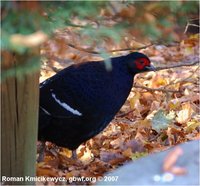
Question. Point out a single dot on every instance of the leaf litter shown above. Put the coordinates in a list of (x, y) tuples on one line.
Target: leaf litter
[(150, 121)]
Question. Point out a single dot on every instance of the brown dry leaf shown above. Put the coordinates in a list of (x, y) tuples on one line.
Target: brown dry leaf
[(81, 150), (192, 125), (134, 100), (154, 106), (46, 172), (117, 143), (175, 135), (188, 45), (127, 153), (98, 167), (149, 146), (185, 114), (72, 173), (178, 170), (157, 81), (68, 175), (192, 98), (65, 162), (108, 156), (146, 98), (87, 156), (40, 164), (171, 159), (141, 135), (134, 145), (141, 124), (118, 161), (87, 173), (51, 161), (177, 131), (174, 104), (66, 152)]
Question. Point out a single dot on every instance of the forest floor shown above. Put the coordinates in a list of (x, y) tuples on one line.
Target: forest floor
[(161, 111)]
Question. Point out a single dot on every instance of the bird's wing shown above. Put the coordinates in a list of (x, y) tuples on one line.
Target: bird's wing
[(56, 100), (72, 92)]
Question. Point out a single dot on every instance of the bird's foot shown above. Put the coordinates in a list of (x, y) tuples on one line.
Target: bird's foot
[(74, 155)]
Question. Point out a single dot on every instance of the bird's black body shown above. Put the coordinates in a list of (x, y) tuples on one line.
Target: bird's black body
[(79, 102)]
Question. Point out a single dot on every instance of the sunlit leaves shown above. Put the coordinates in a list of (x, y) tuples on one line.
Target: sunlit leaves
[(184, 115), (149, 122)]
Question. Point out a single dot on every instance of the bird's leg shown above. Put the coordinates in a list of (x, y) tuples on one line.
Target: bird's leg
[(54, 152), (74, 155), (41, 151), (53, 149)]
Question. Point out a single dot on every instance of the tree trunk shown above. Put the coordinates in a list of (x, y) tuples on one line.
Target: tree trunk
[(19, 97)]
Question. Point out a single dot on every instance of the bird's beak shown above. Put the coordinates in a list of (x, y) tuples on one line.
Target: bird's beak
[(151, 68)]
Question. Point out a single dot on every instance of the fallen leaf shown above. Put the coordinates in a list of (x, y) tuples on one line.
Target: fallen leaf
[(134, 100), (192, 125), (158, 81), (161, 121), (178, 170), (109, 156), (171, 159), (47, 172), (174, 104), (127, 153), (185, 114)]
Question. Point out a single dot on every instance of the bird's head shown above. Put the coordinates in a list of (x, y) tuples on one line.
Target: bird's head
[(138, 62)]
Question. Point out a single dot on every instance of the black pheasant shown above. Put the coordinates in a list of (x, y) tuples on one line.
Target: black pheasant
[(79, 102)]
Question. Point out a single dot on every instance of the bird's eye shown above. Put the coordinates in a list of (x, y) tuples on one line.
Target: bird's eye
[(141, 63)]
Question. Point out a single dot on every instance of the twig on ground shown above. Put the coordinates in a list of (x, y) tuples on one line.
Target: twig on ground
[(124, 114), (183, 80), (179, 65), (157, 89), (163, 89)]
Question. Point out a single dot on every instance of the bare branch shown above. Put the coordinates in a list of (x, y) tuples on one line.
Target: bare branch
[(179, 65), (125, 49), (190, 24), (164, 89), (124, 114), (157, 89), (116, 50), (83, 49), (183, 80)]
